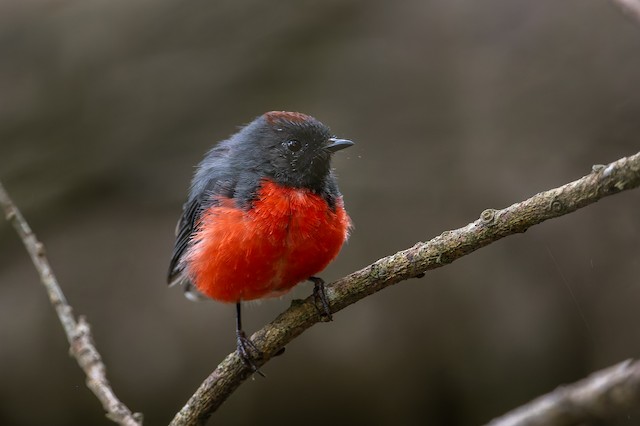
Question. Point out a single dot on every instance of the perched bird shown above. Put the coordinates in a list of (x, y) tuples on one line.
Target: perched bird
[(264, 213)]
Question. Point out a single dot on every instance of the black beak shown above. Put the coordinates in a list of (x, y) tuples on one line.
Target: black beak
[(336, 144)]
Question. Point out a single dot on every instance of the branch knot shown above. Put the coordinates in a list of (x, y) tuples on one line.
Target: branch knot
[(488, 217)]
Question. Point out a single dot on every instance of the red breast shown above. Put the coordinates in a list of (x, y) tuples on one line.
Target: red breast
[(288, 235)]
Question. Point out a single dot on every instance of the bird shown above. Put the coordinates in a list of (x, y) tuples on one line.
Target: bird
[(263, 214)]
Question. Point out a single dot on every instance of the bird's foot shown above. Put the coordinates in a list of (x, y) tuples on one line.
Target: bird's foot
[(248, 352), (320, 297)]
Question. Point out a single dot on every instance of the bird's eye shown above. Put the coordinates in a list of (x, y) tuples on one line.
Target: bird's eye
[(293, 145)]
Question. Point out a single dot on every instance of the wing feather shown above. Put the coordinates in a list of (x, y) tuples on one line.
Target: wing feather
[(184, 230), (213, 179)]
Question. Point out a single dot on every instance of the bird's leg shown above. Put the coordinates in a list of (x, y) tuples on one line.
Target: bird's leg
[(320, 295), (245, 345)]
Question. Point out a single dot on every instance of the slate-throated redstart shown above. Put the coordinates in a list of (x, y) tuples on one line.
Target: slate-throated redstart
[(264, 213)]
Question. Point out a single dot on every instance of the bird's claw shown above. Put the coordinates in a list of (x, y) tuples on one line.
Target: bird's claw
[(248, 351), (320, 295)]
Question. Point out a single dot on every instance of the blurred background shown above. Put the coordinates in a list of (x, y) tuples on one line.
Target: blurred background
[(456, 106)]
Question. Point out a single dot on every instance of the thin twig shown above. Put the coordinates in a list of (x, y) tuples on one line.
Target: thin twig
[(492, 225), (629, 7), (612, 393), (78, 332)]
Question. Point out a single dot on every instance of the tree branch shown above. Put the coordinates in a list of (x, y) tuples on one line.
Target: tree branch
[(605, 395), (618, 385), (492, 225), (629, 7), (78, 332)]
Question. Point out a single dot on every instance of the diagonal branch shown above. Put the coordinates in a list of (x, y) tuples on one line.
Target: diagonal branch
[(492, 225), (629, 7), (78, 332), (610, 393)]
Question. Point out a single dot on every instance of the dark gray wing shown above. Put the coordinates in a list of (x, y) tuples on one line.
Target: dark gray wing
[(214, 178), (184, 229)]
